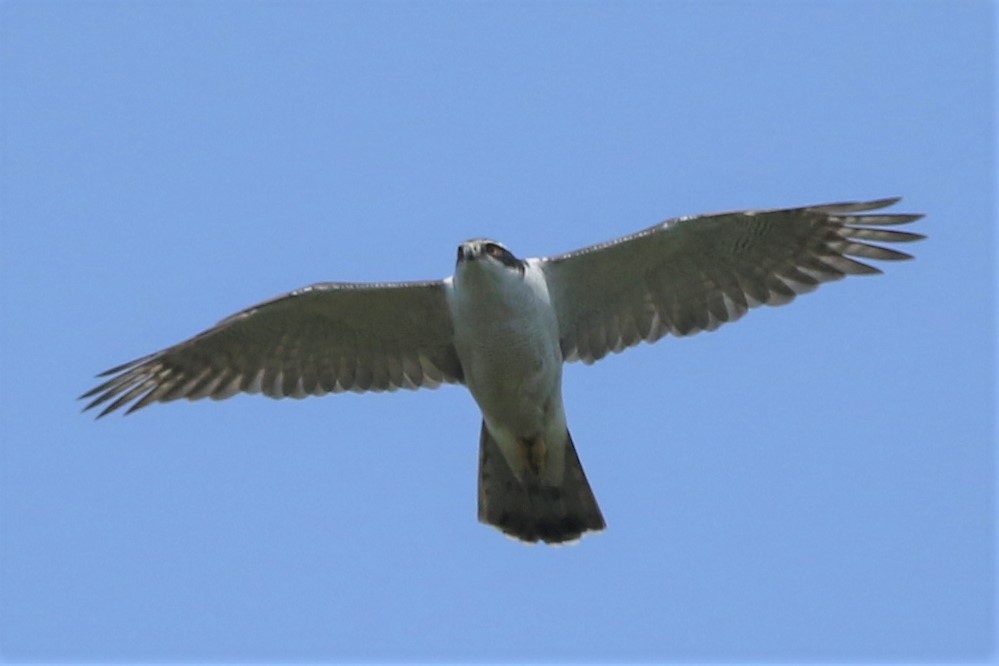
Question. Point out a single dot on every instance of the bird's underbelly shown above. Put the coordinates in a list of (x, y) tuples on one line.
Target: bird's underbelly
[(513, 366), (507, 338), (515, 377)]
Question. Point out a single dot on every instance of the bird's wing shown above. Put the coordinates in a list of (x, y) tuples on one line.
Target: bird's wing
[(324, 338), (693, 274)]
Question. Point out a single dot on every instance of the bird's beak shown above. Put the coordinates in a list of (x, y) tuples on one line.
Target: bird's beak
[(466, 253)]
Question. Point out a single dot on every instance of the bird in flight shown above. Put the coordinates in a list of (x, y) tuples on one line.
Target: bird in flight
[(503, 327)]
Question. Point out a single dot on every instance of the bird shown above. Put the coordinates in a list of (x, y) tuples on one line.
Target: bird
[(503, 327)]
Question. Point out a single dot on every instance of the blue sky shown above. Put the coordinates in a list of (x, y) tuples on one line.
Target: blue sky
[(815, 482)]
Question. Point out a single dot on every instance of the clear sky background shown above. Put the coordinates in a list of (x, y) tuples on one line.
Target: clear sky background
[(815, 482)]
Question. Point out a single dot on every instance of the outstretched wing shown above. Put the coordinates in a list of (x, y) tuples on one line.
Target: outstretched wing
[(324, 338), (693, 274)]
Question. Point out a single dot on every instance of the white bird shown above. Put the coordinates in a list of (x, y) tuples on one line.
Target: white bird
[(503, 326)]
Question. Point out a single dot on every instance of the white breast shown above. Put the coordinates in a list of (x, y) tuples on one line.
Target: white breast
[(506, 334)]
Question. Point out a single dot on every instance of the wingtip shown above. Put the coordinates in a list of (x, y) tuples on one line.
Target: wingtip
[(840, 207), (107, 410), (887, 201), (102, 396), (86, 408)]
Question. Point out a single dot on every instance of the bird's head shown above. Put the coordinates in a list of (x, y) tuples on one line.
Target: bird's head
[(488, 255)]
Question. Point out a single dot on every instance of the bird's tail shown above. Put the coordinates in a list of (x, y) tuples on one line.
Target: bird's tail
[(531, 509)]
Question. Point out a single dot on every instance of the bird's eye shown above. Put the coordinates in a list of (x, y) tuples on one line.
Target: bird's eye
[(495, 250)]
